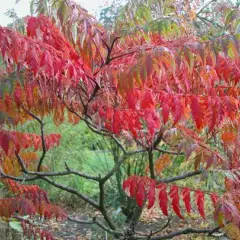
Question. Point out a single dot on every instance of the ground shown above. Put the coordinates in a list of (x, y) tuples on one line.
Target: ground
[(67, 230)]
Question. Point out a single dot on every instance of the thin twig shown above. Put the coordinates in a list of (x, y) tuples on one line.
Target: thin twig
[(44, 149), (186, 231), (181, 177), (97, 222), (71, 190), (168, 151)]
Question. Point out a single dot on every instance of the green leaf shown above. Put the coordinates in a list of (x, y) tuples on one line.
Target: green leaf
[(63, 12), (16, 226), (230, 16)]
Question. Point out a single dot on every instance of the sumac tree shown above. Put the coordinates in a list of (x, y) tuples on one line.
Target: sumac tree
[(151, 81)]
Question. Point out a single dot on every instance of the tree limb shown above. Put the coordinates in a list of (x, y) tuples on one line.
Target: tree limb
[(97, 222), (168, 151), (206, 5), (44, 149), (71, 190), (151, 164), (181, 177), (186, 231)]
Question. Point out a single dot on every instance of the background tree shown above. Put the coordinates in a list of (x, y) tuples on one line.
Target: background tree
[(151, 86)]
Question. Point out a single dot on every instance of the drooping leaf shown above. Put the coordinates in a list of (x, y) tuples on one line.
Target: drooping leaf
[(163, 198), (174, 195), (200, 203), (186, 199)]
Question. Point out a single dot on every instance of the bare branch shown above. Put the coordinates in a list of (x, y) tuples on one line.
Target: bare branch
[(108, 59), (119, 163), (205, 6), (181, 177), (52, 174), (214, 23), (114, 169), (156, 232), (63, 173), (97, 222), (123, 55), (169, 152), (186, 231), (151, 164), (119, 144), (71, 190), (21, 162), (18, 179), (44, 149), (102, 207)]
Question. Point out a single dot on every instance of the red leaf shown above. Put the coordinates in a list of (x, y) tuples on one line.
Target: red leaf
[(214, 198), (148, 101), (200, 202), (177, 109), (4, 142), (29, 96), (197, 112), (131, 100), (212, 159), (32, 26), (165, 112), (187, 199), (151, 194), (101, 112), (133, 187), (163, 198), (140, 195), (117, 119), (173, 194), (18, 96)]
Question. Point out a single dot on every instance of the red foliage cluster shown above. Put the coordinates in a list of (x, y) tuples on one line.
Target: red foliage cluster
[(29, 200), (146, 189), (141, 87), (11, 141), (42, 59)]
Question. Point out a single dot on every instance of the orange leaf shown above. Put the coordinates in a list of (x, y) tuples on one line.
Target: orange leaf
[(228, 137), (162, 163)]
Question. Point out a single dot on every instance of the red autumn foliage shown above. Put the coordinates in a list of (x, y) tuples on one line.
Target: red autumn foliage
[(147, 87)]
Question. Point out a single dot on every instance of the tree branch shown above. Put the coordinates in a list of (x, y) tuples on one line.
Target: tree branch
[(97, 222), (115, 168), (51, 174), (212, 22), (181, 177), (102, 206), (108, 59), (44, 149), (119, 144), (71, 190), (206, 5), (186, 231), (64, 173), (21, 162), (169, 152), (17, 179), (151, 164), (156, 232)]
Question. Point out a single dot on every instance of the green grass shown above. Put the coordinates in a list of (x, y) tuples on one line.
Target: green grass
[(75, 149)]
